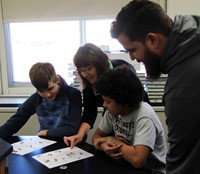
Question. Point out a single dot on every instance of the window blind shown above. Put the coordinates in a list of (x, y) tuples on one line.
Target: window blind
[(47, 10), (41, 10)]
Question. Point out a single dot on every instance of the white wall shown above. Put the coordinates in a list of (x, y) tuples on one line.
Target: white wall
[(30, 128), (186, 7)]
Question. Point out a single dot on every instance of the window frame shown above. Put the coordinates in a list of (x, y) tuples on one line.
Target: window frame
[(23, 88)]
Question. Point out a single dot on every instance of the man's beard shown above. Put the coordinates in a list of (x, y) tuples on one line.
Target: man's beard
[(152, 65)]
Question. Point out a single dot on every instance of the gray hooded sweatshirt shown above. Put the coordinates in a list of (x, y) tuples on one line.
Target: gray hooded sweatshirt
[(181, 61)]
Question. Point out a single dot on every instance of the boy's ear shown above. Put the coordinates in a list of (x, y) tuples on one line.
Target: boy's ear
[(57, 79)]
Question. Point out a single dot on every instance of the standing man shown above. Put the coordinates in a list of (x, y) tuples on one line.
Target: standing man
[(173, 48)]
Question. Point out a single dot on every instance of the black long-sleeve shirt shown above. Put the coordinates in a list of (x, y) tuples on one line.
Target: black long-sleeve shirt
[(61, 117)]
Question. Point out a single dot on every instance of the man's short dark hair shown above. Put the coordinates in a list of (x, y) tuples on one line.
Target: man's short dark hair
[(140, 17)]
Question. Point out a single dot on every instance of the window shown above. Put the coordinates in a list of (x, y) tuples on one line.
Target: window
[(25, 41), (98, 32), (55, 42)]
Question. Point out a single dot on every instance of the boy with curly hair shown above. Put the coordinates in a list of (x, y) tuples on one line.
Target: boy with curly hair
[(138, 132)]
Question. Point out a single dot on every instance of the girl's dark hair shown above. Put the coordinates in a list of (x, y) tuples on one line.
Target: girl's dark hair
[(91, 55), (122, 85)]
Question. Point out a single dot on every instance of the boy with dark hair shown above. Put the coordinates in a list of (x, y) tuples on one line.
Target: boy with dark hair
[(139, 135), (58, 106)]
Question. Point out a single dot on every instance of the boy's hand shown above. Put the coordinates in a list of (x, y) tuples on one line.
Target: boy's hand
[(42, 133), (113, 150), (110, 145), (99, 142)]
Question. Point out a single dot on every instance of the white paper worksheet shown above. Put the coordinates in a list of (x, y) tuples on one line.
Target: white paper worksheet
[(29, 145), (62, 156)]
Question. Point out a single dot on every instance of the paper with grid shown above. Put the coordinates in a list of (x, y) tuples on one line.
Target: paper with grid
[(62, 156), (29, 145)]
